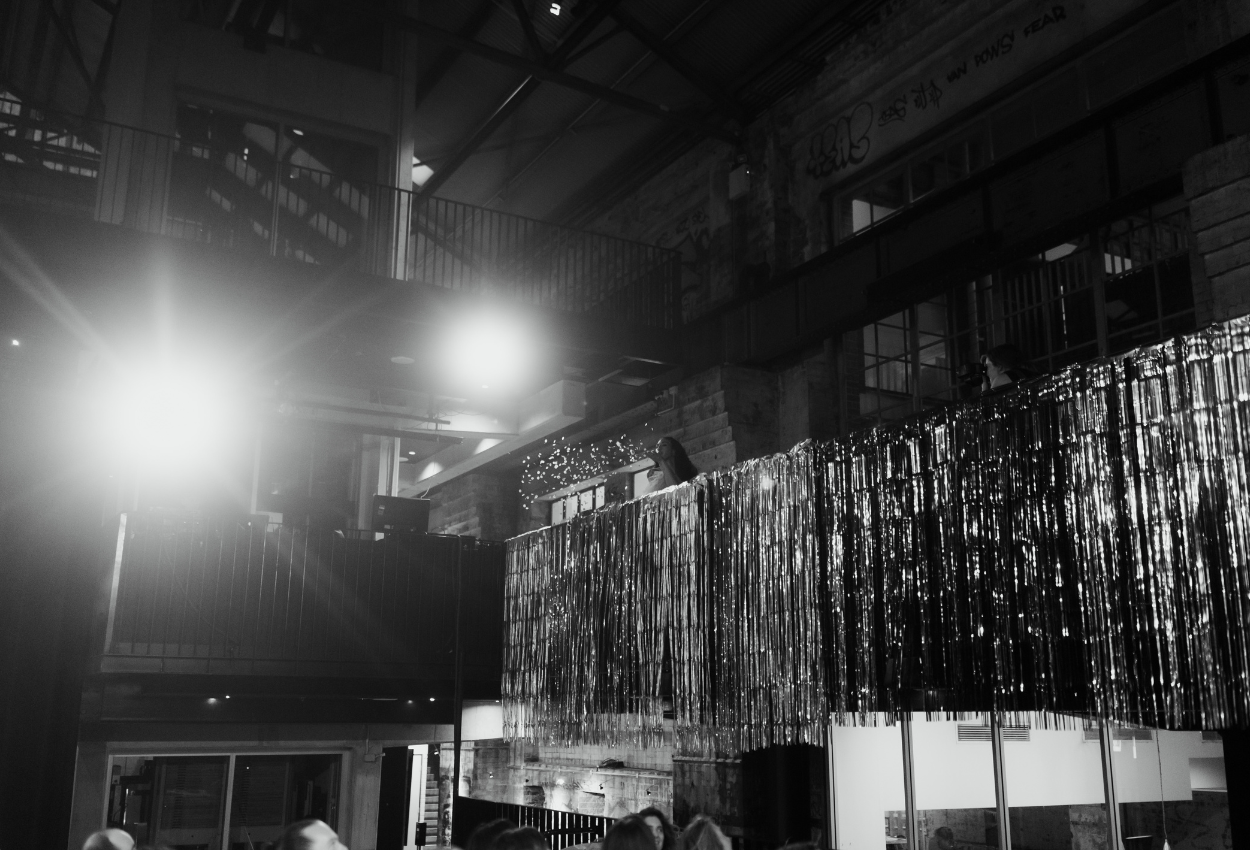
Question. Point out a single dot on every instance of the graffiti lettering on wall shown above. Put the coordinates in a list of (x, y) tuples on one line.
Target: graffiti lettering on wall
[(692, 238), (841, 143), (895, 110), (1054, 16), (1005, 43), (923, 96)]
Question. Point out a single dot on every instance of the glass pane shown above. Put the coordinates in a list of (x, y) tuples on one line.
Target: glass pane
[(1170, 787), (272, 791), (868, 783), (954, 771), (175, 801), (887, 196), (1054, 788)]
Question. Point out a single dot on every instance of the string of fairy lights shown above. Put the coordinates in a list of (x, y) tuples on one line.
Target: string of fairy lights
[(561, 463)]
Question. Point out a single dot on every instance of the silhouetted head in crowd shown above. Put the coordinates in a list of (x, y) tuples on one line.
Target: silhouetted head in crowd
[(943, 839), (704, 834), (109, 839), (1004, 365), (309, 835), (525, 838), (629, 833), (662, 829), (485, 835)]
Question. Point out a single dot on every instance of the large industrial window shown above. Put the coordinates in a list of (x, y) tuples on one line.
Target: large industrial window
[(270, 186), (1117, 287), (221, 802)]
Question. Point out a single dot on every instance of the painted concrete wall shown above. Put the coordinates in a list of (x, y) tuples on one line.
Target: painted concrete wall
[(1217, 184), (872, 99)]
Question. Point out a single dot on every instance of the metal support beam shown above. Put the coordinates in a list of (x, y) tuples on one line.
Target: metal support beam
[(527, 27), (1000, 782), (541, 72), (1115, 835), (431, 78), (510, 104), (726, 104), (909, 783)]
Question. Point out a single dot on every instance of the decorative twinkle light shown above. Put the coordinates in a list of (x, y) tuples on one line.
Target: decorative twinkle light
[(561, 463)]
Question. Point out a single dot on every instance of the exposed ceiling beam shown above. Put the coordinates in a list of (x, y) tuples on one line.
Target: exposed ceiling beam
[(726, 104), (693, 19), (527, 27), (558, 59), (71, 42), (834, 13), (257, 37), (544, 73), (431, 78)]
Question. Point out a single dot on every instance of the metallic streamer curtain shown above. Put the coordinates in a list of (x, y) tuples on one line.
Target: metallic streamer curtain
[(1079, 545)]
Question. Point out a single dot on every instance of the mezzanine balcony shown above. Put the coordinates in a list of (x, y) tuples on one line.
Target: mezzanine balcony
[(243, 597), (261, 197)]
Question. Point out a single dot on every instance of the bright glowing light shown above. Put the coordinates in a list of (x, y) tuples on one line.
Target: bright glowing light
[(555, 9), (487, 351), (168, 417), (431, 699), (16, 342), (420, 172)]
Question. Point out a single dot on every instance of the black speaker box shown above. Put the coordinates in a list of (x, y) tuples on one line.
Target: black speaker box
[(393, 513), (783, 794)]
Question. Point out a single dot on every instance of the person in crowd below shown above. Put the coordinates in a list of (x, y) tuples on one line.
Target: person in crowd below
[(486, 834), (704, 834), (524, 838), (109, 839), (661, 827), (629, 833), (309, 835), (1004, 366), (943, 838), (672, 465)]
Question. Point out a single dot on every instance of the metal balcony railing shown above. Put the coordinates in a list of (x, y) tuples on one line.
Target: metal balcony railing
[(237, 597), (251, 200)]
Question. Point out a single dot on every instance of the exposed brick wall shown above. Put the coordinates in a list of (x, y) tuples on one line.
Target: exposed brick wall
[(1217, 184), (477, 505), (723, 416)]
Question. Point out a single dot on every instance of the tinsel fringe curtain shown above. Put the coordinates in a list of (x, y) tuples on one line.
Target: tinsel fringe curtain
[(1077, 545)]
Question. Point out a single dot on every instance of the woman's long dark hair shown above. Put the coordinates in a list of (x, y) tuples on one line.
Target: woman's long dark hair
[(682, 467), (670, 831), (629, 833)]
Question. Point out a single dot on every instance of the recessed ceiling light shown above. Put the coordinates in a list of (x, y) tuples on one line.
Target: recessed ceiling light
[(17, 342), (412, 453), (431, 699), (401, 360)]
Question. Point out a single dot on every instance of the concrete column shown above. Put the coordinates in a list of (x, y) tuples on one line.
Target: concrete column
[(379, 474)]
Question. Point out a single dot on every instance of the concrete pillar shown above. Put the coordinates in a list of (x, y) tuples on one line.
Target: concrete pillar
[(1217, 184), (379, 474)]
